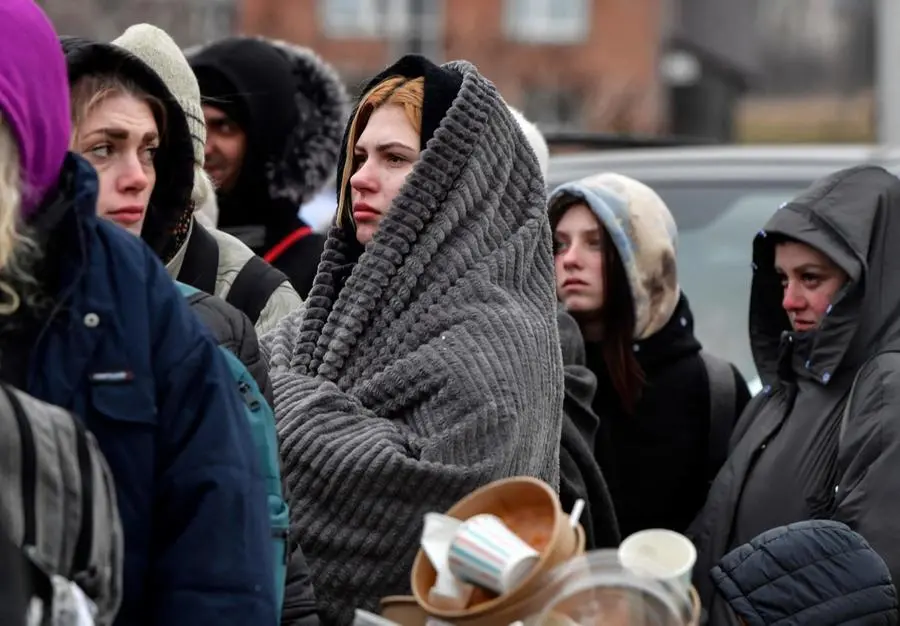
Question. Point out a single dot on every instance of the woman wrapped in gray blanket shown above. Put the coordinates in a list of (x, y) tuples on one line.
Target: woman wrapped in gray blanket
[(426, 361)]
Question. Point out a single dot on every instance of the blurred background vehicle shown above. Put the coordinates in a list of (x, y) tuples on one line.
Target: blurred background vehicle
[(720, 197)]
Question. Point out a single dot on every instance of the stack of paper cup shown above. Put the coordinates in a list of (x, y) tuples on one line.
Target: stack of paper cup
[(485, 552)]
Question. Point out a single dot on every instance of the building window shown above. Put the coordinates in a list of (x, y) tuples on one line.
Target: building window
[(553, 108), (548, 21), (381, 18)]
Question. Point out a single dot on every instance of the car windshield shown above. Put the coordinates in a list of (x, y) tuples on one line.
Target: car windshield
[(716, 226)]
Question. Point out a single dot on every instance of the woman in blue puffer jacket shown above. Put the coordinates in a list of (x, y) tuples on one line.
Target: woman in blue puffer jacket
[(90, 321)]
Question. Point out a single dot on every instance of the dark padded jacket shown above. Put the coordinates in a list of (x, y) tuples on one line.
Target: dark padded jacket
[(234, 331), (812, 573)]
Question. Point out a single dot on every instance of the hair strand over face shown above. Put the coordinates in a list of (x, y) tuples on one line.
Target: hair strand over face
[(91, 90), (408, 93)]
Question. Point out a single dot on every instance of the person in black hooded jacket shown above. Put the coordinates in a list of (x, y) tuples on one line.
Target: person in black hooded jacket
[(149, 144), (616, 274), (824, 320), (275, 115)]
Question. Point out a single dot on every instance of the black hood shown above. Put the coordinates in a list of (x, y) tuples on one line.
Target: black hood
[(292, 106), (442, 85), (853, 217), (170, 203)]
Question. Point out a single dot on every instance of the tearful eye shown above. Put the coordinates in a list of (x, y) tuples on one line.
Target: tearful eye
[(811, 280), (149, 154), (101, 151)]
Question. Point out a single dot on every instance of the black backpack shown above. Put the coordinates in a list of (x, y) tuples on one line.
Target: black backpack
[(58, 503), (722, 410), (252, 287)]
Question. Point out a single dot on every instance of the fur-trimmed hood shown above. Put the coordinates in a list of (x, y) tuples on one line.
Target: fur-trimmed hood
[(299, 157)]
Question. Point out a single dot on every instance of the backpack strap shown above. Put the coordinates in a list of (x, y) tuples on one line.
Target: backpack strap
[(722, 414), (253, 286), (81, 559), (201, 260), (28, 452)]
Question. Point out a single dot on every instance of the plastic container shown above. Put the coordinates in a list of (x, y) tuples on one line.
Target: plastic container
[(596, 589)]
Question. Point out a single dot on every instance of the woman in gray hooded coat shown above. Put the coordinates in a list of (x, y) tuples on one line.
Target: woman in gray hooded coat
[(426, 362), (824, 319)]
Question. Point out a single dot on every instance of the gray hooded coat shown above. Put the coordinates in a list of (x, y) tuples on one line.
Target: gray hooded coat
[(788, 462)]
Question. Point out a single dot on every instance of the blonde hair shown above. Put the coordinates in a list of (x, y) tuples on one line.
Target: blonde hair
[(408, 93), (14, 244), (91, 90)]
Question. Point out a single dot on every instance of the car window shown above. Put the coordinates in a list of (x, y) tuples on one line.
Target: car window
[(716, 226)]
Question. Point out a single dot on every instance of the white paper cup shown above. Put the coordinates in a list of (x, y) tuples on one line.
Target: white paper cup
[(485, 552), (661, 554)]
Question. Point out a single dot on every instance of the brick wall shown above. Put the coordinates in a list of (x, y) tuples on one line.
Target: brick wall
[(606, 82)]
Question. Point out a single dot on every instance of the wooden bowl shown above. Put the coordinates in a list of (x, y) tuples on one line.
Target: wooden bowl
[(404, 610), (531, 509)]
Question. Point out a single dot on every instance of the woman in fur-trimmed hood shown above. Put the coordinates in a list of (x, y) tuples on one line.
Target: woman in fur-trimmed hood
[(426, 362), (275, 113)]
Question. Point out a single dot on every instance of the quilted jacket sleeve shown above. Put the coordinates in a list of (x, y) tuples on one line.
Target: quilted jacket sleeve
[(812, 572)]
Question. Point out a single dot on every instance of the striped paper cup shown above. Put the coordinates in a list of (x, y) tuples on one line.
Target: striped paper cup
[(485, 552)]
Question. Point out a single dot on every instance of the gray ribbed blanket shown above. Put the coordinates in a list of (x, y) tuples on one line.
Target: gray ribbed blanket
[(434, 370)]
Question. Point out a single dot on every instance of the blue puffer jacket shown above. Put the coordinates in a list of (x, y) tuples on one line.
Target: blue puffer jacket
[(813, 573), (123, 350)]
